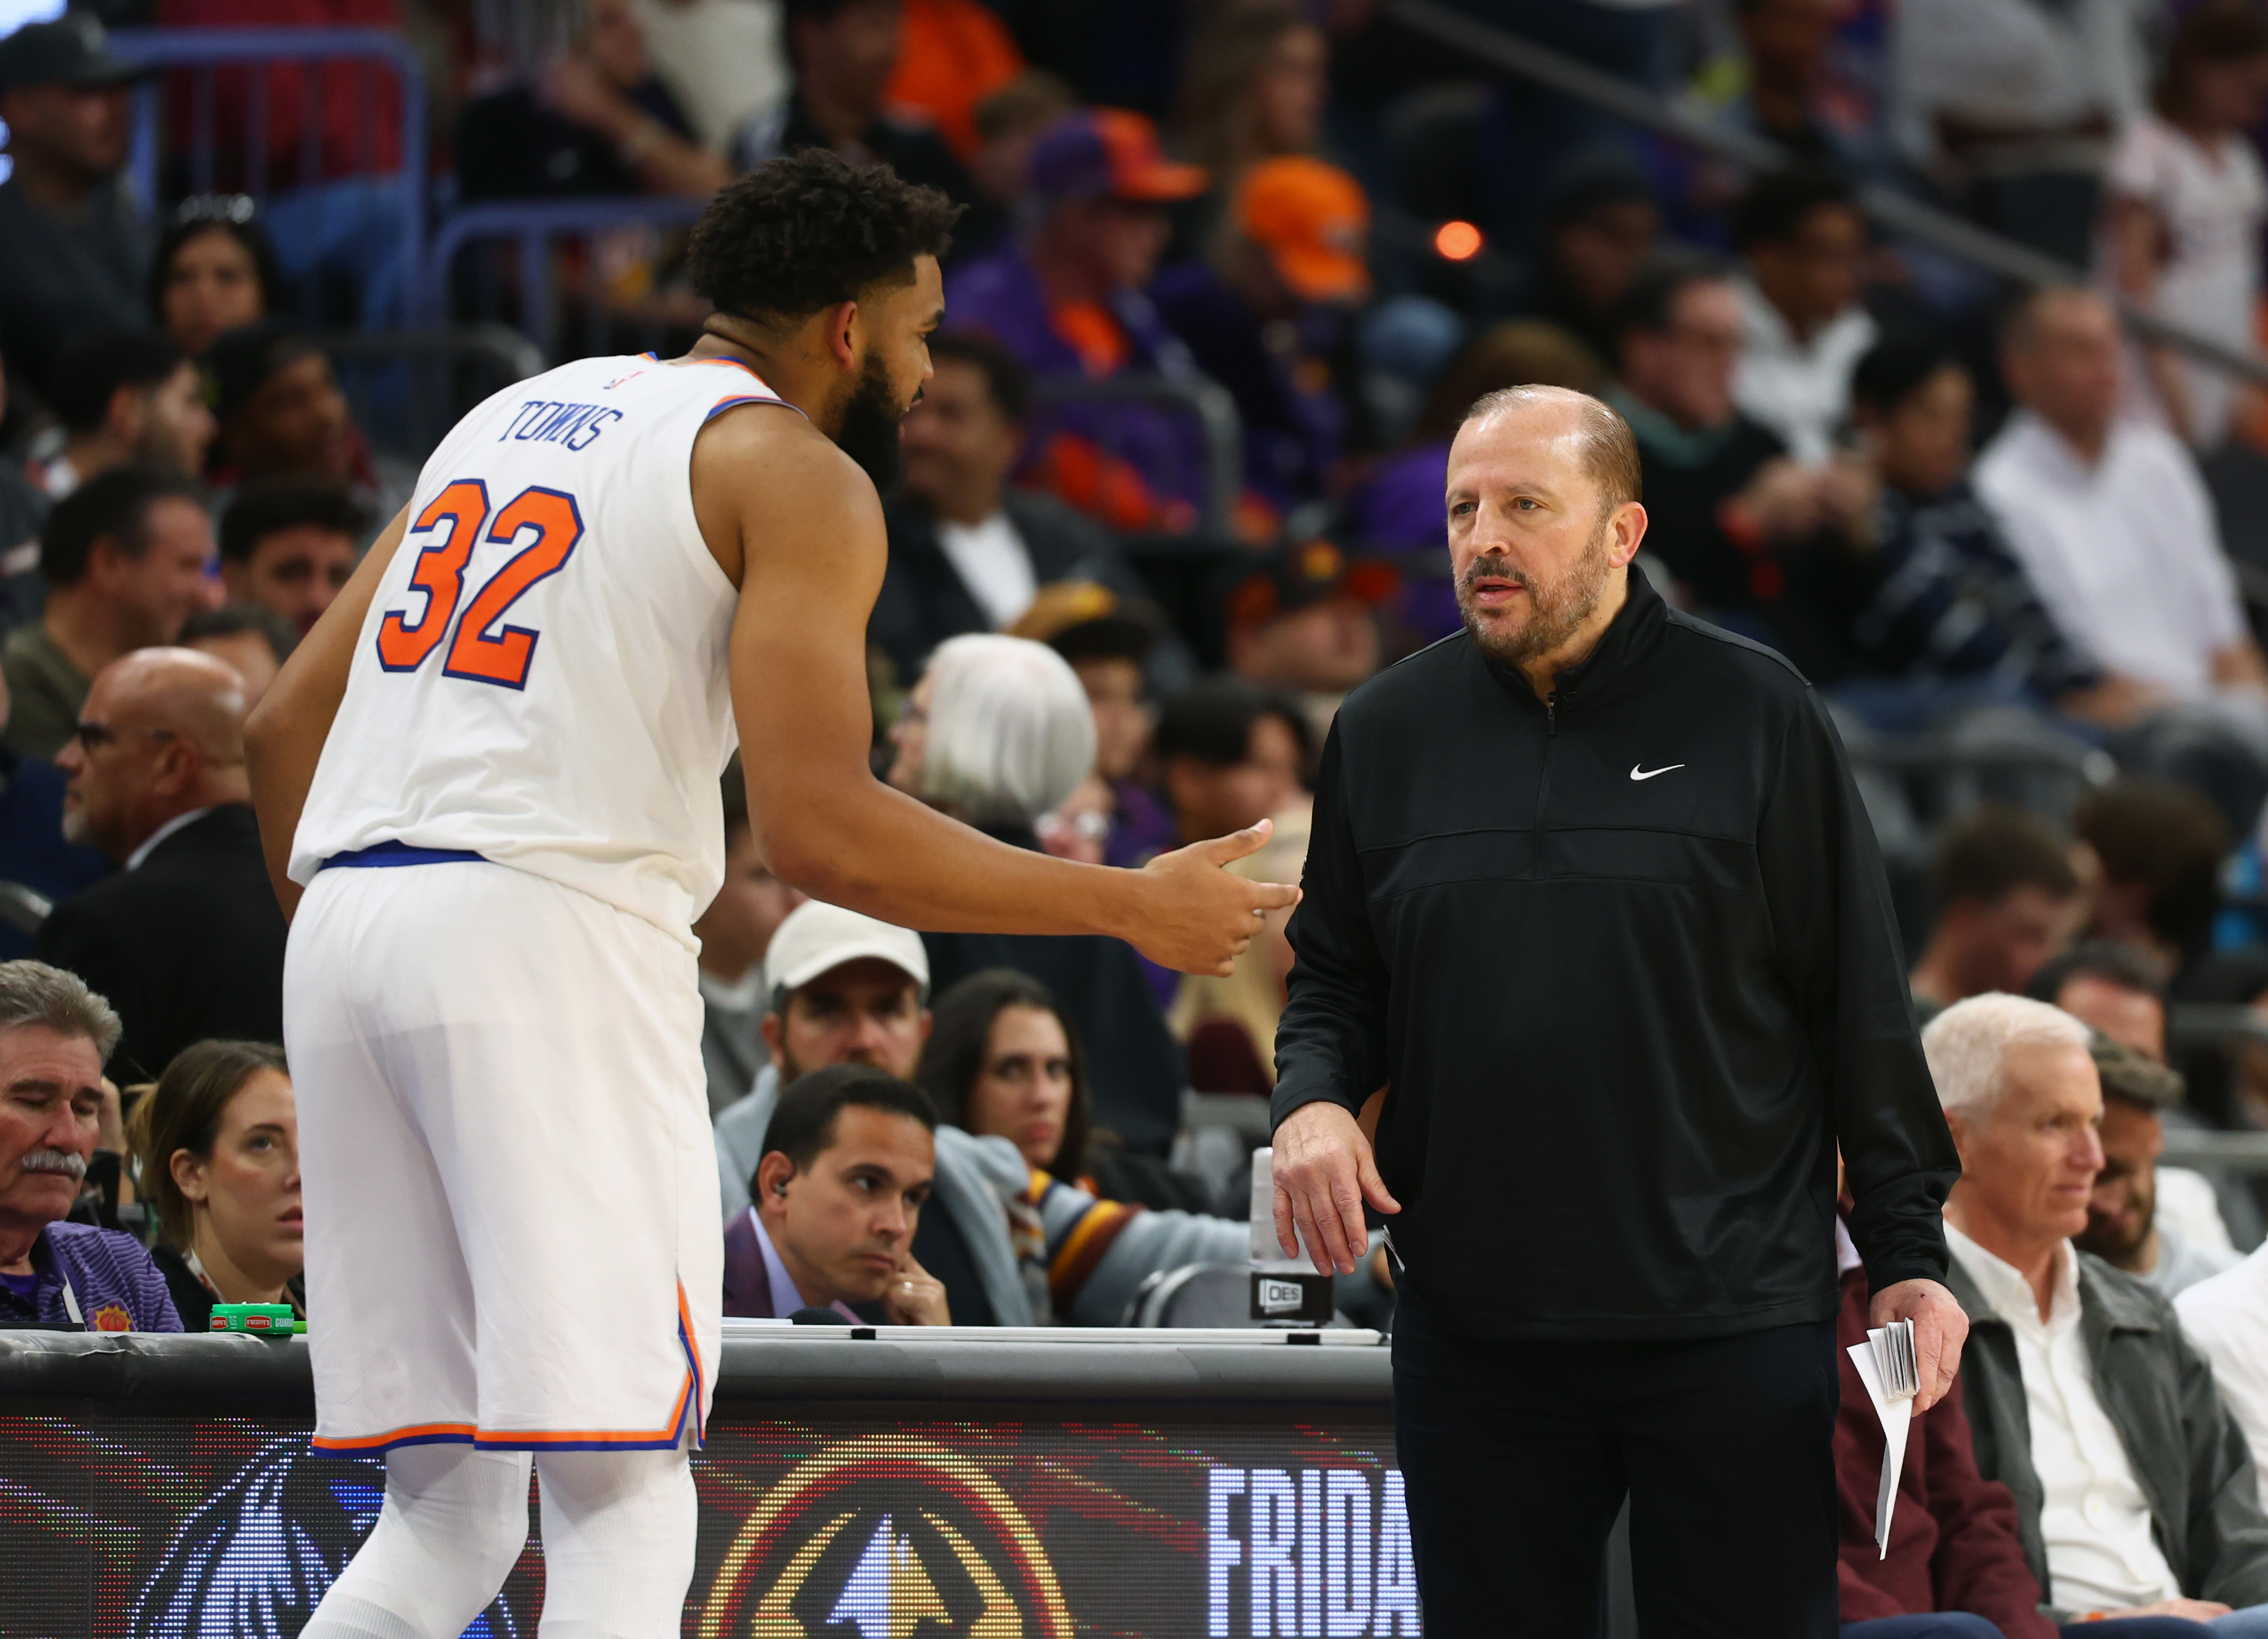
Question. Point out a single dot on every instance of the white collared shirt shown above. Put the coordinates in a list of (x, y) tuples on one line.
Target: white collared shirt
[(992, 563), (178, 823), (2125, 554), (1801, 389), (2094, 1518), (2227, 1318)]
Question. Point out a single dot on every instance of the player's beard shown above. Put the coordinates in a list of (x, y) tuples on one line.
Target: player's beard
[(1557, 608), (866, 429)]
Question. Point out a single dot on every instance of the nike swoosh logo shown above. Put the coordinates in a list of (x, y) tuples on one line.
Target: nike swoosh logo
[(1651, 772)]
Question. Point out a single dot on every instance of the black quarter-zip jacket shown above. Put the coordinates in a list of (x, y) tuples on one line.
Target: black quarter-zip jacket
[(1624, 960)]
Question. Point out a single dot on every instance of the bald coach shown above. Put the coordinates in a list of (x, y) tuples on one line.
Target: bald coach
[(1592, 897)]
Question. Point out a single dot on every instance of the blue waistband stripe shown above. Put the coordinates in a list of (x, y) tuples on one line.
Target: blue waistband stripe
[(398, 854)]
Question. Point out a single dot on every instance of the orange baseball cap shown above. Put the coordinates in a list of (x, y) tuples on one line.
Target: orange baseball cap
[(1311, 218), (1096, 153)]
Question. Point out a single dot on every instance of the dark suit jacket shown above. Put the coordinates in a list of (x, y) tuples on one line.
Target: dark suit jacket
[(748, 1283), (924, 601), (189, 945)]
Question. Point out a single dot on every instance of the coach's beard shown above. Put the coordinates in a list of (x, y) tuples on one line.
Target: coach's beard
[(1557, 608), (867, 428)]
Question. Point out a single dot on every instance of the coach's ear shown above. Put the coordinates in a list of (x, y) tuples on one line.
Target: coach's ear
[(773, 1174)]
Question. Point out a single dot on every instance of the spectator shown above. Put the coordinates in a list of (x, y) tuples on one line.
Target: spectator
[(2120, 994), (1306, 622), (2186, 203), (1010, 1247), (2226, 1319), (734, 932), (2134, 1490), (250, 641), (1803, 328), (849, 1158), (33, 852), (723, 61), (2007, 900), (2110, 518), (997, 733), (1267, 315), (288, 545), (1231, 755), (1953, 1546), (1788, 98), (216, 1142), (968, 553), (1749, 535), (125, 559), (186, 936), (1009, 124), (2008, 106), (2123, 1225), (596, 120), (952, 56), (74, 248), (1228, 1024), (1254, 88), (1401, 508), (55, 1033), (1953, 620), (1108, 652), (282, 416), (1601, 225), (2113, 989), (1066, 299), (214, 270), (2157, 851), (844, 53), (126, 398)]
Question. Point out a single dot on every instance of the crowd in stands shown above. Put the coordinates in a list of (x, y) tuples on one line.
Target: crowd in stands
[(1962, 509)]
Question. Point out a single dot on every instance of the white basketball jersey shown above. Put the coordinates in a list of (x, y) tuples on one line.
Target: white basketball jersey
[(541, 677)]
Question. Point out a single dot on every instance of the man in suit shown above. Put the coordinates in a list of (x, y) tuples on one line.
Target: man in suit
[(187, 939), (967, 553), (849, 1158)]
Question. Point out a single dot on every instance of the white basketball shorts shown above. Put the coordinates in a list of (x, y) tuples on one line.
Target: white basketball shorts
[(513, 1231)]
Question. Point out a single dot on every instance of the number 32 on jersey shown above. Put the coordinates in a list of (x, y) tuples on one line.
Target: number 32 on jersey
[(482, 650)]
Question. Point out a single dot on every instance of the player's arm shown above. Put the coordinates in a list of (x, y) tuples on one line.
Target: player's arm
[(285, 734), (812, 551)]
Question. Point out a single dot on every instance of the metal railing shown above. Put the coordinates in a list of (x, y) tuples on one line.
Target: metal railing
[(408, 388), (203, 51), (534, 234), (1203, 400), (1499, 48)]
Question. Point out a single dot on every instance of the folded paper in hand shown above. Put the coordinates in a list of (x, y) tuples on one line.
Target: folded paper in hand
[(1887, 1365)]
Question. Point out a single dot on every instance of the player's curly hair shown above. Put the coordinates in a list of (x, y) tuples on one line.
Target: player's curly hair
[(802, 232)]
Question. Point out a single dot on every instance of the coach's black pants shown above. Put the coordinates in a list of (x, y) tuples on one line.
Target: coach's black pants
[(1516, 1456)]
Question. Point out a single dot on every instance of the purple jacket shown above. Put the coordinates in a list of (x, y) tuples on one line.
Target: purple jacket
[(117, 1288)]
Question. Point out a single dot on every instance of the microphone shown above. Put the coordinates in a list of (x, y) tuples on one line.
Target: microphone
[(817, 1318)]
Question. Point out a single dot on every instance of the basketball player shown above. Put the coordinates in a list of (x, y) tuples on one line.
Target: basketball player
[(488, 779)]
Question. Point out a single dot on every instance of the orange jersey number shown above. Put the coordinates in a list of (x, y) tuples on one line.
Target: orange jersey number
[(554, 525)]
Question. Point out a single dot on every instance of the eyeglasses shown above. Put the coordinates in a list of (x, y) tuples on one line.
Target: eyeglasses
[(94, 736), (237, 208)]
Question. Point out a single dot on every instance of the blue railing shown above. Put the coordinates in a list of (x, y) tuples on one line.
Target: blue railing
[(203, 51)]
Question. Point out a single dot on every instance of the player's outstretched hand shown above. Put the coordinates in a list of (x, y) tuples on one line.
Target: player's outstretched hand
[(1198, 918), (1324, 1172)]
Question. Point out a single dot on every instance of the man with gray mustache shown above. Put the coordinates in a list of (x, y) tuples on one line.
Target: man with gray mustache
[(1590, 897), (55, 1033)]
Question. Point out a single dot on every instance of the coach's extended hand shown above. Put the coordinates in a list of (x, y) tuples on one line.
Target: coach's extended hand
[(1324, 1172)]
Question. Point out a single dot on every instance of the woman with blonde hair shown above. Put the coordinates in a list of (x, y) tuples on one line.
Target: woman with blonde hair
[(216, 1142)]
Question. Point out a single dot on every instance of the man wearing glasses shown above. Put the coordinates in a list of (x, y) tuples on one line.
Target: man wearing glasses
[(186, 940)]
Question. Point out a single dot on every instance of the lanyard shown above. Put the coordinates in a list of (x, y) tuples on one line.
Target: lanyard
[(70, 1298)]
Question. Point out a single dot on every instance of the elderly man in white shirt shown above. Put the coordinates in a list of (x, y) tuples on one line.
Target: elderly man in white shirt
[(2134, 1489), (2112, 523), (2227, 1318)]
